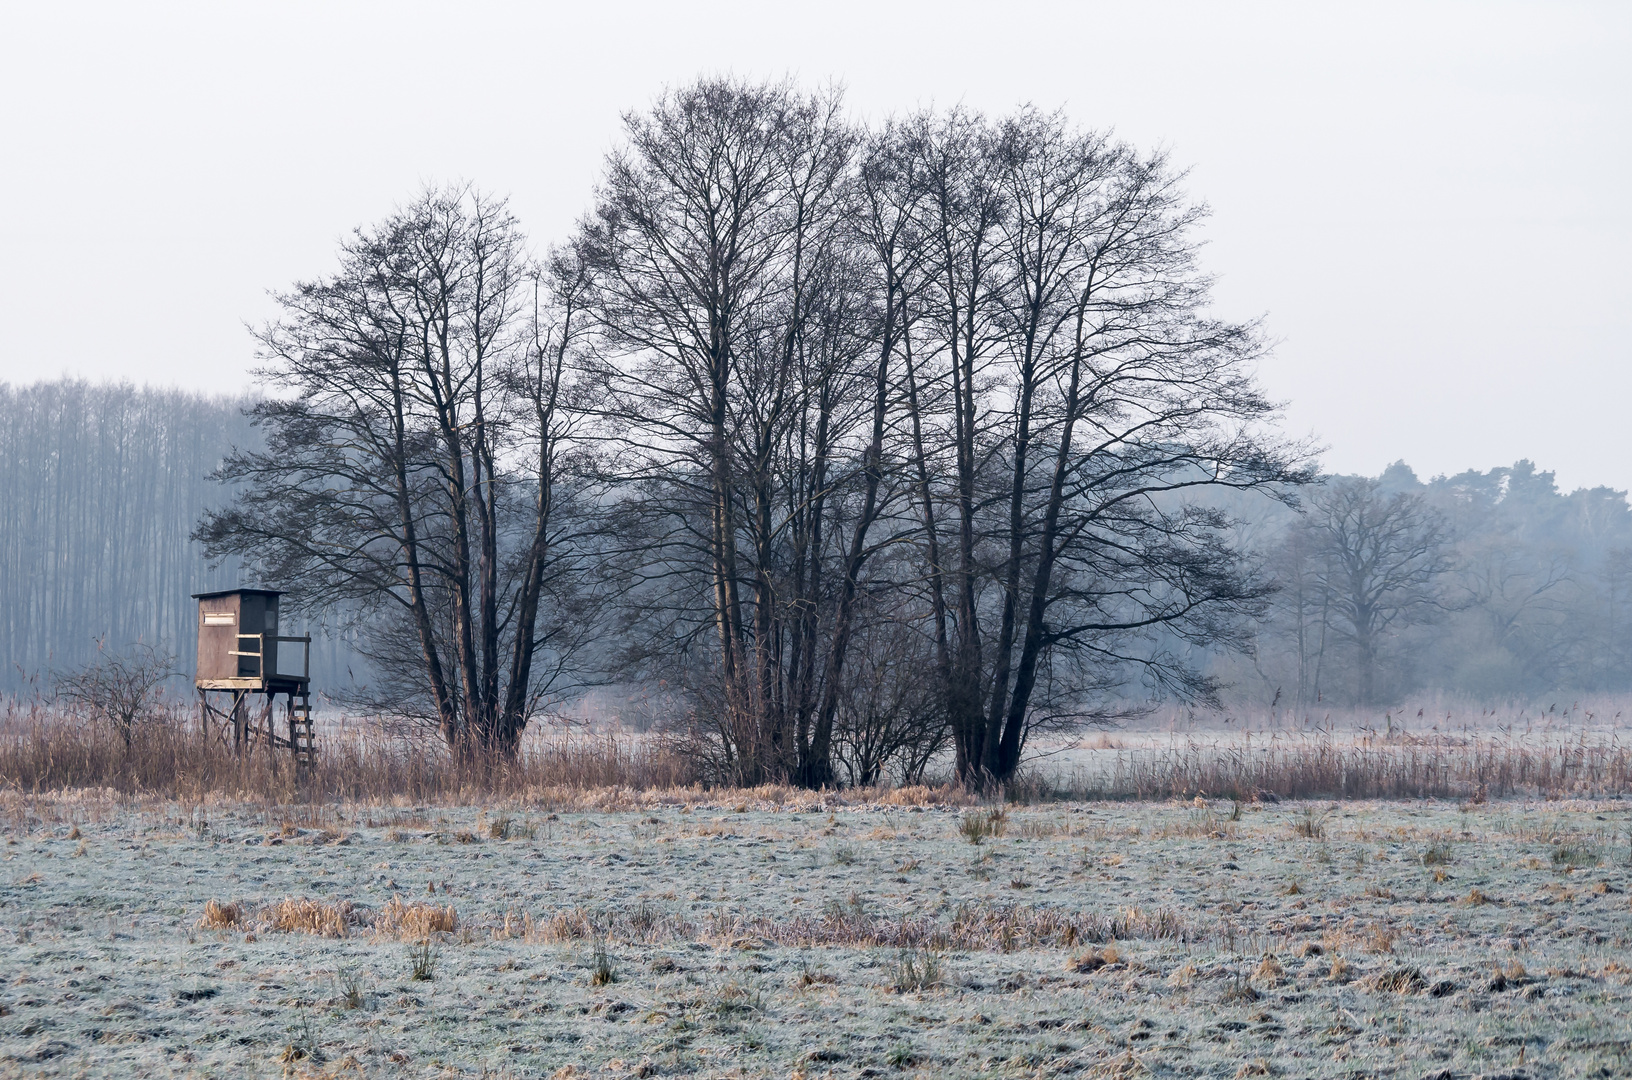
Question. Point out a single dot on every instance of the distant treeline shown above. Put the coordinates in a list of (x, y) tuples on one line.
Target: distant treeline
[(1487, 584), (102, 485), (1491, 585)]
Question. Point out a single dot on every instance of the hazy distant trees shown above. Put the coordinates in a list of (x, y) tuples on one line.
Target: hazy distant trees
[(415, 466), (1379, 561), (1486, 583), (99, 486)]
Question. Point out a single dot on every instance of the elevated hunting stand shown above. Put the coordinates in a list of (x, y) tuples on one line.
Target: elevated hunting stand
[(239, 654)]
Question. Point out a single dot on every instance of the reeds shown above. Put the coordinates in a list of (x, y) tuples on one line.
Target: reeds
[(1328, 766), (41, 751)]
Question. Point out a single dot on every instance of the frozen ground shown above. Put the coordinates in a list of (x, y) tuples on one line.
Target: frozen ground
[(672, 939)]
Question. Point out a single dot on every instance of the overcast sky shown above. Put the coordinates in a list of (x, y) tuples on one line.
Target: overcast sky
[(1427, 202)]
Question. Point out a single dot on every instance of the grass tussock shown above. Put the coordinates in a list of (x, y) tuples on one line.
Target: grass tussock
[(916, 970), (422, 960), (219, 916), (980, 825), (302, 916), (412, 922), (1091, 960), (1403, 980)]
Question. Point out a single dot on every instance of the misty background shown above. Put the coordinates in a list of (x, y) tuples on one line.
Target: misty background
[(1530, 594)]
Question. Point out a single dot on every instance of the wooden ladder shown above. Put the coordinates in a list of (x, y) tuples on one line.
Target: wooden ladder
[(301, 739)]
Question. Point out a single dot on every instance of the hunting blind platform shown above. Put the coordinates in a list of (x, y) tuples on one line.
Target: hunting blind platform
[(241, 653)]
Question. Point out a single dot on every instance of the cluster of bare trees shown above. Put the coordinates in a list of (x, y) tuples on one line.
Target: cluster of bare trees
[(859, 443)]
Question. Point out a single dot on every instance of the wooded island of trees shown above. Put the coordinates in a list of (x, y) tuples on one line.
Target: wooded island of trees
[(847, 447)]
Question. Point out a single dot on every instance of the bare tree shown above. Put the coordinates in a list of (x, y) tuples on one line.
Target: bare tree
[(1381, 559), (983, 341), (727, 321), (416, 465), (1070, 386), (122, 691)]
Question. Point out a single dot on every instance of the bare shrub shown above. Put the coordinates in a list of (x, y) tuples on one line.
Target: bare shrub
[(120, 692)]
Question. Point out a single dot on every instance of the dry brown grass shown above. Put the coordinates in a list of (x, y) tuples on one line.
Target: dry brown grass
[(218, 916), (1404, 980), (1093, 959), (316, 917), (1381, 938), (42, 752), (413, 922), (1299, 766)]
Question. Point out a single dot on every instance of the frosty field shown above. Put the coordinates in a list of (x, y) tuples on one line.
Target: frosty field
[(775, 936)]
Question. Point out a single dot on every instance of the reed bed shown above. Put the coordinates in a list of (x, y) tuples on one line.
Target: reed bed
[(42, 752), (1331, 766)]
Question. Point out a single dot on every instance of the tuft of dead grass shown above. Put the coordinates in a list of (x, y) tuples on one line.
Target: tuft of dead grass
[(1269, 970), (1381, 938), (316, 917), (414, 921), (1402, 980), (1092, 960), (219, 916)]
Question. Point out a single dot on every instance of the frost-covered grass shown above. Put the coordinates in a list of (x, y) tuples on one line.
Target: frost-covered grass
[(1408, 939)]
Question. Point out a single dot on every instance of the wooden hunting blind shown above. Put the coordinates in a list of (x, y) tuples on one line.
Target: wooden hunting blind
[(240, 653)]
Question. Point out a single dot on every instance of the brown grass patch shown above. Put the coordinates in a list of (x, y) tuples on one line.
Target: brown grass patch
[(218, 916), (1093, 959), (313, 917), (1269, 970), (412, 922), (1381, 938), (1404, 980)]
